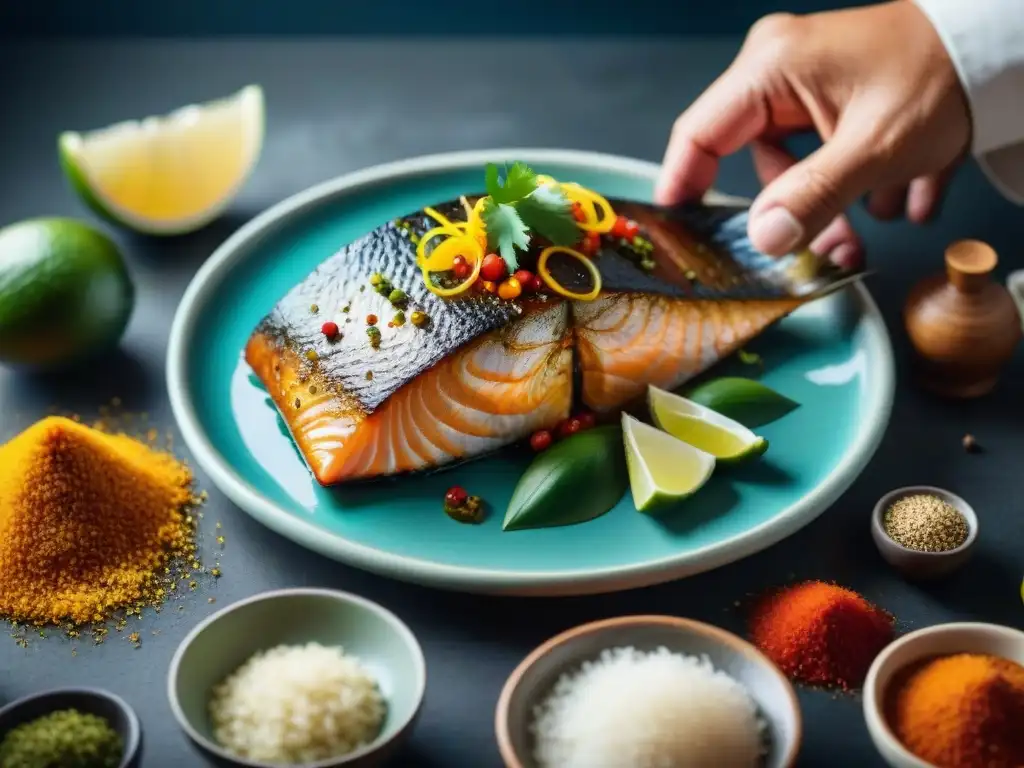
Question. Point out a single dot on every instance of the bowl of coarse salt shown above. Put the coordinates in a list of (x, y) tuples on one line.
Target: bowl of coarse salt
[(298, 677), (648, 691)]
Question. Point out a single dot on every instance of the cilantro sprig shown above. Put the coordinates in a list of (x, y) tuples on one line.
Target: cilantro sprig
[(517, 206)]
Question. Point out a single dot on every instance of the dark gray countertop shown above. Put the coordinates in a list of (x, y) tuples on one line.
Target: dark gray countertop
[(334, 106)]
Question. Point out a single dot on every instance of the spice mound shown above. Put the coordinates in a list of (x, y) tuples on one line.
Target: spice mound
[(925, 523), (820, 634), (88, 523), (646, 710), (961, 711), (66, 738), (297, 704)]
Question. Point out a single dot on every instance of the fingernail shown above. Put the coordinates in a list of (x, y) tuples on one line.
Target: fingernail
[(776, 231), (845, 256)]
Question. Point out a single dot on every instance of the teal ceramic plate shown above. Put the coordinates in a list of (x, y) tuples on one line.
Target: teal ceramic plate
[(833, 357)]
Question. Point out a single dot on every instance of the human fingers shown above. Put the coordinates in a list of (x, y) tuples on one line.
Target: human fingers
[(722, 120), (888, 202), (792, 210), (838, 241), (925, 195)]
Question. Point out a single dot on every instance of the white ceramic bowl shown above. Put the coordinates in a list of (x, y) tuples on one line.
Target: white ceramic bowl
[(940, 640), (535, 676), (923, 565)]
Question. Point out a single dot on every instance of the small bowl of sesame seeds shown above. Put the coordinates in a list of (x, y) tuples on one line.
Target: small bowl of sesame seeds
[(923, 531)]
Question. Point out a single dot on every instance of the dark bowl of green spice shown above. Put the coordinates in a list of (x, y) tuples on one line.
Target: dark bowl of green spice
[(70, 728), (923, 531)]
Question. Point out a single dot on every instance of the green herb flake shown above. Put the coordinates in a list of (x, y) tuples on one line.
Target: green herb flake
[(518, 182), (517, 205), (505, 231), (66, 738), (750, 358), (548, 213)]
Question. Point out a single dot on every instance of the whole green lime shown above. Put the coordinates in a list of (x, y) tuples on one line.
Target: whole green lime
[(65, 293)]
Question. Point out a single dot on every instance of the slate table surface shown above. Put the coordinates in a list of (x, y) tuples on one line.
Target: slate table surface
[(337, 105)]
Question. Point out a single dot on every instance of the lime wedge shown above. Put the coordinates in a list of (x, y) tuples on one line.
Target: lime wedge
[(171, 174), (662, 469), (725, 439), (747, 401)]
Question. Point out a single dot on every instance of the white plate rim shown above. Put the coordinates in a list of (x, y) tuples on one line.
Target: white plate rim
[(879, 400)]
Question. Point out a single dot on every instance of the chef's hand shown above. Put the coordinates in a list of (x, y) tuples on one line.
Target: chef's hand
[(877, 85)]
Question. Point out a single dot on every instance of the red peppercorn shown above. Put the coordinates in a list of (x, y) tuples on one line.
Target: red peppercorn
[(586, 419), (371, 319), (456, 496), (525, 278), (493, 269), (578, 213), (541, 440), (569, 427), (536, 284), (460, 267), (625, 228), (591, 243), (329, 329)]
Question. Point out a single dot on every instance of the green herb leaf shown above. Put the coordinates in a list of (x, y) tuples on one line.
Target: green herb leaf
[(505, 231), (518, 182), (749, 402), (547, 212), (573, 481)]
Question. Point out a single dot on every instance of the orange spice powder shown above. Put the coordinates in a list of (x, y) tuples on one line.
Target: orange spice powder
[(89, 523), (960, 711)]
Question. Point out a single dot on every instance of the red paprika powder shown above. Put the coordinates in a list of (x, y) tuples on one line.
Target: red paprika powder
[(820, 634)]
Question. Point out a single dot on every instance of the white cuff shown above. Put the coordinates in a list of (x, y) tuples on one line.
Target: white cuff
[(985, 40), (1005, 169)]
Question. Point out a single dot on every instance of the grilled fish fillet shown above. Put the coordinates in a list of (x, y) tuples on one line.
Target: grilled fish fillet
[(485, 372)]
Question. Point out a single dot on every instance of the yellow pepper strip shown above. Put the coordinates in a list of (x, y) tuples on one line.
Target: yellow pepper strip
[(591, 202), (421, 247), (472, 251), (545, 273), (442, 258), (441, 219)]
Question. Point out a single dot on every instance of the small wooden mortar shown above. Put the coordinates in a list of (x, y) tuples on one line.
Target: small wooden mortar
[(964, 326)]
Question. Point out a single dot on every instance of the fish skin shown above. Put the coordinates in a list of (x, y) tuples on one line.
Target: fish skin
[(706, 259), (343, 280), (436, 395)]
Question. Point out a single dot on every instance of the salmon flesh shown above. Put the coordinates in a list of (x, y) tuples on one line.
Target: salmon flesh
[(484, 372)]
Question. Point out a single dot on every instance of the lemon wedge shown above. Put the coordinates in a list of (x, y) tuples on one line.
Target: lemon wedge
[(661, 468), (171, 174), (710, 431)]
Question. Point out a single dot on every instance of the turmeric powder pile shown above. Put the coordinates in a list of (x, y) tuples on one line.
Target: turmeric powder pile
[(89, 523), (961, 711)]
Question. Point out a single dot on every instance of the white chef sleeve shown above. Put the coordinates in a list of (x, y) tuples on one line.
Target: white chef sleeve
[(985, 40)]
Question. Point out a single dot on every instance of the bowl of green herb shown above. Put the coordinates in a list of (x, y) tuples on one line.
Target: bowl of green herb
[(923, 531), (72, 728)]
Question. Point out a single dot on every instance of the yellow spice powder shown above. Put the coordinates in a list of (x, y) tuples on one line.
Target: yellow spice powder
[(89, 522)]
